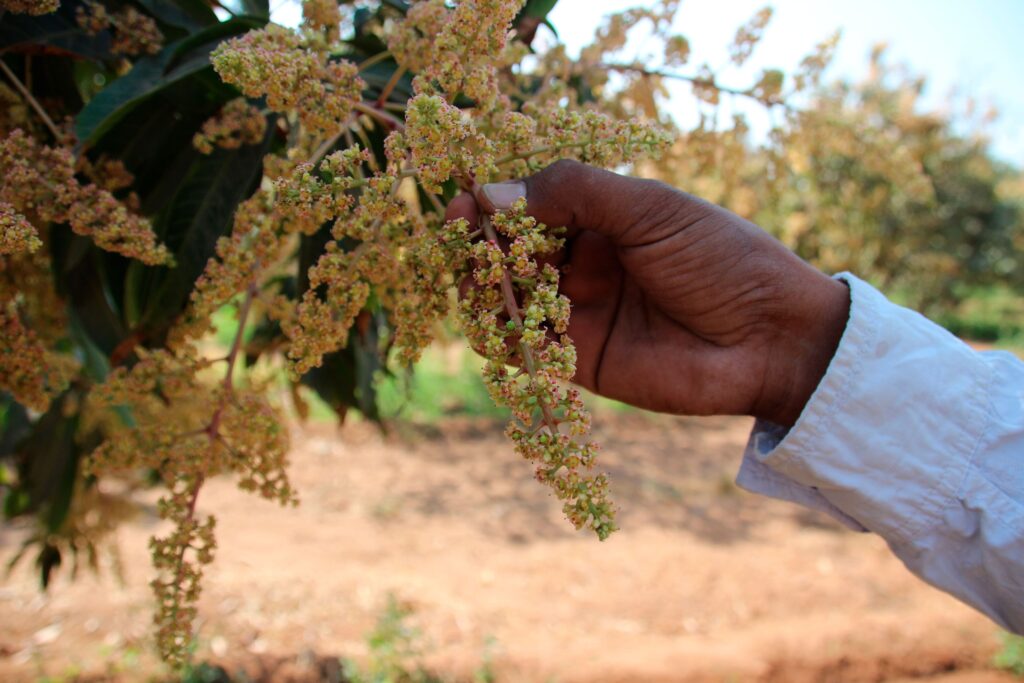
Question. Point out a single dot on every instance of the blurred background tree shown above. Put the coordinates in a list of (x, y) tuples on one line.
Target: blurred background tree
[(862, 177)]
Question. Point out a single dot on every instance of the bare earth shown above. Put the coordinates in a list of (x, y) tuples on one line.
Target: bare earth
[(703, 583)]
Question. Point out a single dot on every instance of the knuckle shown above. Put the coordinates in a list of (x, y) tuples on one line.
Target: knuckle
[(553, 188), (660, 210), (559, 173), (565, 167)]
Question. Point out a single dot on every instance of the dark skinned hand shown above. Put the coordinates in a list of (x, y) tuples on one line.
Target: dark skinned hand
[(678, 305)]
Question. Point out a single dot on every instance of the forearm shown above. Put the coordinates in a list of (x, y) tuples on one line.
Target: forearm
[(913, 435)]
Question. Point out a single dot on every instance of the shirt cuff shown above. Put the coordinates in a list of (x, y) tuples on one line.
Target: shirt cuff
[(889, 434)]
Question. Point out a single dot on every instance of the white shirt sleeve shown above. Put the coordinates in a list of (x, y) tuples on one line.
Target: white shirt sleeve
[(912, 435)]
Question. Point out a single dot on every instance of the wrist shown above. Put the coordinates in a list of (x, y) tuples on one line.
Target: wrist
[(805, 344)]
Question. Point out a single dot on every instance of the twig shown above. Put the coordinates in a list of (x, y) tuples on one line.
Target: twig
[(438, 206), (325, 147), (541, 150), (390, 86), (512, 308), (376, 59), (365, 139), (31, 100), (190, 517), (390, 121), (236, 344), (695, 80)]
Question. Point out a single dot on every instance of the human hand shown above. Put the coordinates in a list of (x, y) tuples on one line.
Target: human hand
[(679, 305)]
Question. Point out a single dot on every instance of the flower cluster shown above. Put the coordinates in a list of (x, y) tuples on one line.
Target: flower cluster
[(134, 33), (459, 49), (30, 6), (237, 123), (346, 276), (26, 281), (14, 112), (748, 36), (16, 233), (516, 316), (311, 195), (188, 431), (253, 244), (40, 187), (322, 19), (278, 64), (408, 260), (595, 138), (440, 142), (32, 374), (437, 255), (40, 181)]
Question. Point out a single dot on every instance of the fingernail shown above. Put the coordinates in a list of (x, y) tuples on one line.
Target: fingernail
[(503, 195)]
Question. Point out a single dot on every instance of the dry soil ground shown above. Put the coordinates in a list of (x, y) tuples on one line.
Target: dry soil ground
[(703, 583)]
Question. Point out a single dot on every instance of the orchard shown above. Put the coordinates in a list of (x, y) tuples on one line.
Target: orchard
[(178, 172)]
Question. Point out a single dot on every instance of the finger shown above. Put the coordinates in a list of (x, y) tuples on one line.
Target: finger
[(463, 206), (629, 211)]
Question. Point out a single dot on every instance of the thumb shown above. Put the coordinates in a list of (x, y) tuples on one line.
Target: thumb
[(629, 211)]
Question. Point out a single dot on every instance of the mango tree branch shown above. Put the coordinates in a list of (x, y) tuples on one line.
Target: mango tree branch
[(698, 81), (38, 108)]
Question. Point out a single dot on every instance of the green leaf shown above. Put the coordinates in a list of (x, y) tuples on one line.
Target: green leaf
[(50, 458), (47, 462), (346, 377), (57, 31), (201, 211), (377, 77), (84, 283), (256, 8), (538, 9), (93, 359), (191, 15), (16, 502), (151, 75), (121, 96), (400, 5), (14, 423)]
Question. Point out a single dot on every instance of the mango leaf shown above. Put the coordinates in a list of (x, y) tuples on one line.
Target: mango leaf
[(55, 32), (346, 378), (14, 423), (378, 75), (191, 15), (150, 75), (154, 139), (85, 285), (49, 464), (399, 5), (94, 361), (256, 8), (201, 211), (538, 9), (533, 14)]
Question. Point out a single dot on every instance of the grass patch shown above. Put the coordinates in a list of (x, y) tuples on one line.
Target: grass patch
[(994, 315), (445, 381)]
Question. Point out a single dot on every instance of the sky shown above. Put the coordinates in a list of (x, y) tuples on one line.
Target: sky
[(973, 48)]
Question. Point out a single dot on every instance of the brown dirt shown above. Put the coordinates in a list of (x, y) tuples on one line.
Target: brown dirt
[(703, 583)]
